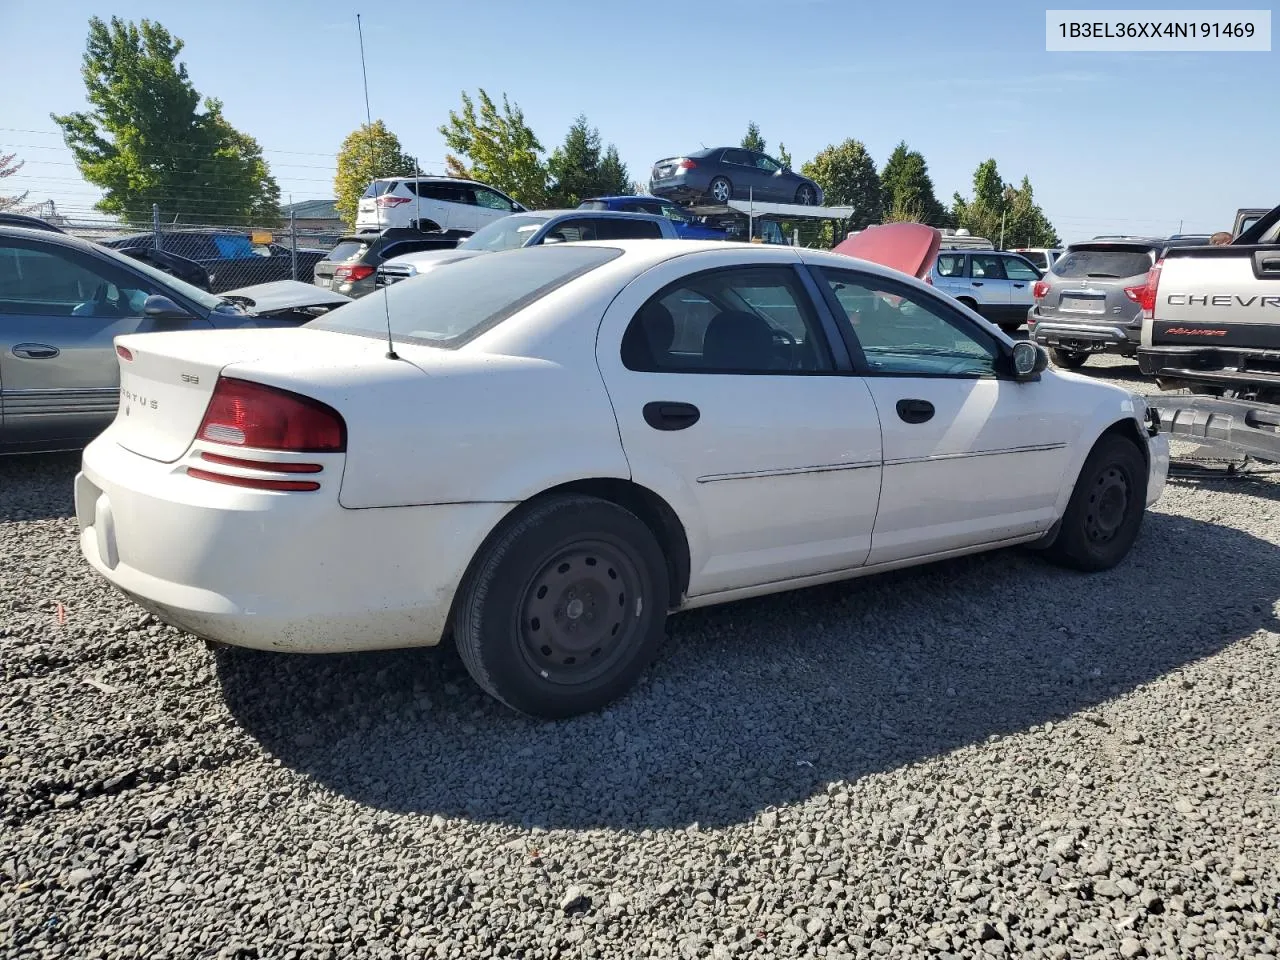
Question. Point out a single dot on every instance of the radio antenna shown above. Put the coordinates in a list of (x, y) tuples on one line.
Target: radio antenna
[(373, 163)]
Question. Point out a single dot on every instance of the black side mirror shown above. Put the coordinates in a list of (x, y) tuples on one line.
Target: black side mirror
[(1029, 360), (159, 307)]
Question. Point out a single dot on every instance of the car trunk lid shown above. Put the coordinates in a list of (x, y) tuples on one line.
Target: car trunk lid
[(907, 247), (167, 379)]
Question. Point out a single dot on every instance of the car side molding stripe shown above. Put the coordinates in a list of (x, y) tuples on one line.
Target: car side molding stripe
[(789, 471), (1033, 448)]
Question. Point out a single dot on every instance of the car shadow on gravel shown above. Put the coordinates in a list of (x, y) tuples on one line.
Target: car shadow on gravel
[(38, 486), (768, 701)]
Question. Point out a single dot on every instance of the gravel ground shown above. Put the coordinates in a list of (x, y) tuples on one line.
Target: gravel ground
[(989, 757)]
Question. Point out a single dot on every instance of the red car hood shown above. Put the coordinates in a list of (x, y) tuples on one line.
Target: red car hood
[(907, 247)]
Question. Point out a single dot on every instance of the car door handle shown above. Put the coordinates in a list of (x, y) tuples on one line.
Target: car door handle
[(668, 415), (1019, 285), (915, 411), (35, 351), (977, 283)]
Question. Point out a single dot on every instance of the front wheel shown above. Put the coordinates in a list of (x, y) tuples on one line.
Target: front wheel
[(1106, 507), (564, 608), (1069, 359), (805, 196)]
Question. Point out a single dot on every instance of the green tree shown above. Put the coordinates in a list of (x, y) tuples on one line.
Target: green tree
[(367, 153), (577, 170), (8, 168), (150, 138), (848, 177), (783, 157), (753, 140), (615, 179), (908, 189), (501, 149), (996, 205)]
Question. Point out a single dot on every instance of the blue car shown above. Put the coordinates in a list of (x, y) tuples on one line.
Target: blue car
[(686, 224)]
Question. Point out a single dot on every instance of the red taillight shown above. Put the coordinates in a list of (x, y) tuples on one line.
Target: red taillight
[(246, 414), (386, 200), (686, 164), (1145, 295), (1039, 289), (124, 352), (357, 271)]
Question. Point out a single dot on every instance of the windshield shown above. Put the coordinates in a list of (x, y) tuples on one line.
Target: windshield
[(505, 234), (446, 308), (207, 300)]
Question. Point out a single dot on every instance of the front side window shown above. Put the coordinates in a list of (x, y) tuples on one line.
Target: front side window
[(491, 200), (53, 283), (752, 320), (905, 333), (1016, 269), (446, 308)]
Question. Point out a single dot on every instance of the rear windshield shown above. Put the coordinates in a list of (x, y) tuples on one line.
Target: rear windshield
[(378, 188), (1103, 264), (453, 304), (347, 250)]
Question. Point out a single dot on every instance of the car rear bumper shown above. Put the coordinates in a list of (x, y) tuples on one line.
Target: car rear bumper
[(677, 188), (270, 570), (1226, 366), (1082, 336)]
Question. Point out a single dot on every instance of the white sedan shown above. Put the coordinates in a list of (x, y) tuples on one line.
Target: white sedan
[(543, 452)]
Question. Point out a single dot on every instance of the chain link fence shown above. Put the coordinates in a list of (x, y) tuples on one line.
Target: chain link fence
[(215, 257)]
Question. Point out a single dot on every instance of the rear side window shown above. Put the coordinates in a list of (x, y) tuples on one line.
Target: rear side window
[(1102, 264), (951, 265), (627, 230), (446, 308)]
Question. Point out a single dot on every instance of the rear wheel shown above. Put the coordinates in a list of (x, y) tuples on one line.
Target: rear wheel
[(564, 608), (805, 196), (1069, 359), (721, 190), (970, 303), (1105, 511)]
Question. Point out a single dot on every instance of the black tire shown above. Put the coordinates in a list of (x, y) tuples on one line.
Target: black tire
[(424, 226), (970, 303), (1106, 507), (564, 608), (1069, 359), (806, 196), (718, 186)]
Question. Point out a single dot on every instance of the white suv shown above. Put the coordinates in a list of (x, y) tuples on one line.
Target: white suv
[(432, 203)]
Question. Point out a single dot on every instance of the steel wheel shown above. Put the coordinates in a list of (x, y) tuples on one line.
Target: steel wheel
[(721, 190), (1107, 505), (577, 613)]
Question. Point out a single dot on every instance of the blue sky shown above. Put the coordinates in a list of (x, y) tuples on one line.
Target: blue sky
[(1112, 142)]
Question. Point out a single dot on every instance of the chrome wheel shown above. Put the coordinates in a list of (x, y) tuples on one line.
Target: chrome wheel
[(721, 190), (577, 614), (805, 196)]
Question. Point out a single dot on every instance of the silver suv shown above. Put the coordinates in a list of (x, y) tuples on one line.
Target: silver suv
[(995, 283), (1090, 301)]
